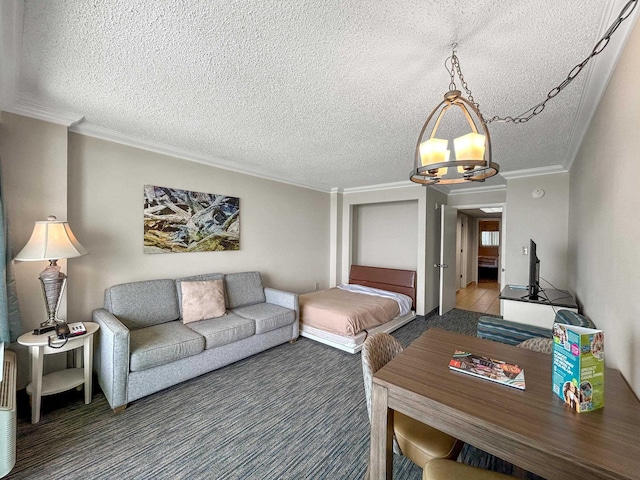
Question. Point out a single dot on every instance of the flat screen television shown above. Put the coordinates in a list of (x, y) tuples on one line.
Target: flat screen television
[(534, 272)]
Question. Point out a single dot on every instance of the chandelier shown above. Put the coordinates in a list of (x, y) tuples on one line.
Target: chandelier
[(472, 151), (472, 163)]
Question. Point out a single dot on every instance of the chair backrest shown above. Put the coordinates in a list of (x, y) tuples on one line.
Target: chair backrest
[(377, 351)]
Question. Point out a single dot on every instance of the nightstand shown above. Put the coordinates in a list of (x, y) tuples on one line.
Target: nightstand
[(61, 380)]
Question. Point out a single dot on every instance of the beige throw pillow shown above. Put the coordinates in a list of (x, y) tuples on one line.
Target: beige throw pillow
[(202, 300)]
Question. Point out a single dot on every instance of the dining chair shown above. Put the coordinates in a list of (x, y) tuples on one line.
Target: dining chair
[(443, 469), (413, 439)]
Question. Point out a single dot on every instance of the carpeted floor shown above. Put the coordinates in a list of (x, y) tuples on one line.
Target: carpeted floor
[(296, 411)]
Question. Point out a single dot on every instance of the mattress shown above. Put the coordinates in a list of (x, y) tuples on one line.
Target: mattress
[(317, 309), (342, 312)]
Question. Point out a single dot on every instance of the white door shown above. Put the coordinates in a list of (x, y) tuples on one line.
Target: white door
[(503, 246), (447, 265)]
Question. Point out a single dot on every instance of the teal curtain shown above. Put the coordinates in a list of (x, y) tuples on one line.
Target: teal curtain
[(10, 322)]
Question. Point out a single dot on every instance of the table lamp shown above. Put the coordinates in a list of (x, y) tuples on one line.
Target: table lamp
[(51, 240)]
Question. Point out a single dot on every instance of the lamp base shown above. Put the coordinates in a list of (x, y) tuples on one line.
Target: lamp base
[(53, 282), (52, 322)]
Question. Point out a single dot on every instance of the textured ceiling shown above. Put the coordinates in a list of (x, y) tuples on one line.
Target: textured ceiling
[(319, 93)]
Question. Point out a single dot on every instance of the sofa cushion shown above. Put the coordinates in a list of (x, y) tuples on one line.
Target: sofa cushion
[(204, 277), (161, 344), (538, 344), (202, 299), (224, 330), (267, 316), (142, 304), (244, 289), (572, 318), (505, 331)]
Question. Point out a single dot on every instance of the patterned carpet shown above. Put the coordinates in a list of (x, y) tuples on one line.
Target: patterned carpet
[(296, 411)]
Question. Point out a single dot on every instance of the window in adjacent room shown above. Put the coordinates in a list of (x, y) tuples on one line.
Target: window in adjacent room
[(490, 239)]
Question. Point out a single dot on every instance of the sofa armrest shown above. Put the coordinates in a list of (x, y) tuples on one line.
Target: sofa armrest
[(112, 357), (282, 298), (287, 300)]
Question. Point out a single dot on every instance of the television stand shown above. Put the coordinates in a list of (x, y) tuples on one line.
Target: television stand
[(515, 305)]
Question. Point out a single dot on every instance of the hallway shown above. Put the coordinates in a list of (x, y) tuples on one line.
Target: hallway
[(480, 297)]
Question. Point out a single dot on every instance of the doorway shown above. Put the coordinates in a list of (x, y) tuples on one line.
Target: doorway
[(480, 269)]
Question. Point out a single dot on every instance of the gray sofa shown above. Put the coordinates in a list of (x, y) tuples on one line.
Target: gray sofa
[(143, 346)]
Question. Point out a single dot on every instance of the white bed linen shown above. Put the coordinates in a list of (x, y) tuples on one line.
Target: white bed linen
[(353, 344), (404, 301)]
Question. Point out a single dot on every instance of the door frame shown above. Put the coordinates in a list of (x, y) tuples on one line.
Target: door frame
[(503, 235)]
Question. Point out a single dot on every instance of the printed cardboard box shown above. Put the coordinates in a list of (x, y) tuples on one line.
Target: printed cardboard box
[(578, 366)]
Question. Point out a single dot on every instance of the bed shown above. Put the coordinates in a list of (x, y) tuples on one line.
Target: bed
[(488, 267), (375, 300), (487, 261)]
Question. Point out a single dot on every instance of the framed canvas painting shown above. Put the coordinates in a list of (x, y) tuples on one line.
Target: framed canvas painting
[(177, 221)]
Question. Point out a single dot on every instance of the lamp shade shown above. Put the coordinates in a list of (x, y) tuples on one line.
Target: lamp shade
[(433, 150), (470, 146), (51, 240)]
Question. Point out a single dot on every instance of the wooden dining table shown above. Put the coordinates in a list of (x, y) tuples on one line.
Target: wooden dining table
[(531, 428)]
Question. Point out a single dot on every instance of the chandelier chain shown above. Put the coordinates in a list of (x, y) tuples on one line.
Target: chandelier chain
[(455, 63), (537, 109)]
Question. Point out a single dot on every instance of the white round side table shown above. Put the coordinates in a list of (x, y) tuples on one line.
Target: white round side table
[(61, 380)]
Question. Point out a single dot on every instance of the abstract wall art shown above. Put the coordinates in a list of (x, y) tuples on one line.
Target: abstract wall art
[(178, 221)]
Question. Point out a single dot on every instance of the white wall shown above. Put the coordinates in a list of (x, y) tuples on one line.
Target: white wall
[(352, 200), (432, 244), (335, 239), (34, 185), (386, 235), (474, 196), (284, 230), (604, 229), (472, 250), (545, 220)]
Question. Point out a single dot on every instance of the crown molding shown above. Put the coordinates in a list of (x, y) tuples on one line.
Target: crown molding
[(408, 184), (483, 189), (534, 172), (382, 186), (39, 112), (76, 123), (90, 130)]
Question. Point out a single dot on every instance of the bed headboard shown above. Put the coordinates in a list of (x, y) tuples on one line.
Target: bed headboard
[(392, 279)]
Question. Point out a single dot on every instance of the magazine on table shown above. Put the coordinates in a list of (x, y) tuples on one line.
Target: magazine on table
[(483, 367)]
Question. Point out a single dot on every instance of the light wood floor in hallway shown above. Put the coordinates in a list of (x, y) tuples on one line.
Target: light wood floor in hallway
[(480, 297)]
